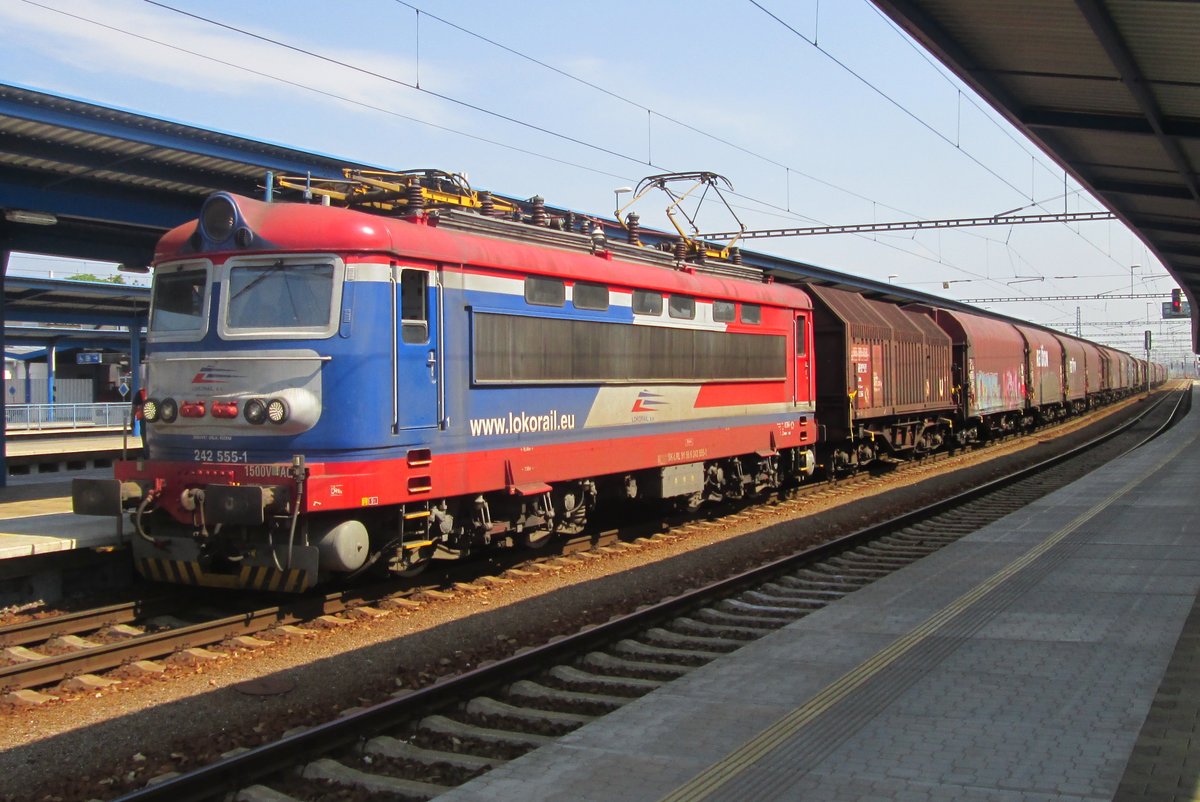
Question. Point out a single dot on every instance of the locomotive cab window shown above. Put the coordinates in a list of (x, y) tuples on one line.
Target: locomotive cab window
[(589, 296), (724, 311), (179, 303), (545, 291), (414, 306), (647, 303), (281, 297), (682, 307), (751, 313)]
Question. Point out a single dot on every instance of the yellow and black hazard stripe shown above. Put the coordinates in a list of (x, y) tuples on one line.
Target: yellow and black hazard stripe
[(189, 572), (261, 577), (176, 572)]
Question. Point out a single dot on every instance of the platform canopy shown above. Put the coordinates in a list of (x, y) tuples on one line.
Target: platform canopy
[(1110, 89), (82, 303), (91, 182)]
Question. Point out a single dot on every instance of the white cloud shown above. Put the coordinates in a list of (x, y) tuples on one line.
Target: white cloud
[(129, 40)]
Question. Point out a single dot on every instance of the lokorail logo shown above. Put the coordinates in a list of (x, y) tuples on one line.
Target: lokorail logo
[(214, 375), (647, 402)]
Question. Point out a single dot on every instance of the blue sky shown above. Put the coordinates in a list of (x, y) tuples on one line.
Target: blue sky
[(826, 115)]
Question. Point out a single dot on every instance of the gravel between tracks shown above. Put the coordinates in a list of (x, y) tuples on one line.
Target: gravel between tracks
[(101, 744)]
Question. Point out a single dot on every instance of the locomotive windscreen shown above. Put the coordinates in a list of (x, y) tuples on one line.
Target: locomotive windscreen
[(279, 295), (178, 300)]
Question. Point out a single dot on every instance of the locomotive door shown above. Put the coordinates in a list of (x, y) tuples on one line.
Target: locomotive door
[(803, 371), (418, 364)]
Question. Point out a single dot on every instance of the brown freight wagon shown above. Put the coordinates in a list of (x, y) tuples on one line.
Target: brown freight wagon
[(1116, 372), (1096, 371), (884, 377), (1074, 368)]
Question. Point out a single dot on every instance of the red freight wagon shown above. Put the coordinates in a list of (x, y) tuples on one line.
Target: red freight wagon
[(992, 355)]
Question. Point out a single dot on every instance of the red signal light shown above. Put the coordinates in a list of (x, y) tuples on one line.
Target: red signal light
[(1176, 300)]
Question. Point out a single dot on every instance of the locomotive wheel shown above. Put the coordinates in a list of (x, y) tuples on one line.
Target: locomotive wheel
[(417, 561), (689, 503), (535, 538)]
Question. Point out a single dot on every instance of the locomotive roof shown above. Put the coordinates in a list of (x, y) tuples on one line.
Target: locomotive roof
[(299, 227)]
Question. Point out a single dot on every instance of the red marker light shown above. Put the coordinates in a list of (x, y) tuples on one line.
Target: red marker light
[(192, 409), (225, 409)]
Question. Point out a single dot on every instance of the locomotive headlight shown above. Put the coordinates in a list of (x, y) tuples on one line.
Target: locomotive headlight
[(168, 410), (255, 411), (277, 410), (150, 410), (218, 218)]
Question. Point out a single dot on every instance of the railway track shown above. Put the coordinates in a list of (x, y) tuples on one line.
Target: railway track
[(74, 651), (424, 742), (63, 648)]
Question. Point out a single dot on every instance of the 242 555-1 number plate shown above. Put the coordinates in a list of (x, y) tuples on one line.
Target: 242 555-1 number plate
[(217, 455)]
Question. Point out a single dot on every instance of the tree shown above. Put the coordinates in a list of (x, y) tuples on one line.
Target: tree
[(117, 279)]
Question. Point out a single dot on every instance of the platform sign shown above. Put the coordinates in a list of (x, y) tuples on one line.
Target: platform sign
[(1184, 313), (88, 358)]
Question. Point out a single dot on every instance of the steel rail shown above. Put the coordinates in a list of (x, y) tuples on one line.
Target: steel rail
[(42, 629), (54, 668)]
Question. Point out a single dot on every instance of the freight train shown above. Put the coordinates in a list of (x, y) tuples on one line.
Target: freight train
[(355, 384)]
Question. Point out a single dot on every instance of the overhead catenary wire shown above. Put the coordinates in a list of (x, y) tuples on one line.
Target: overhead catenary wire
[(509, 118)]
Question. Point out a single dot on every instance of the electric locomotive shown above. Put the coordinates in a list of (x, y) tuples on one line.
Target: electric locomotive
[(331, 390)]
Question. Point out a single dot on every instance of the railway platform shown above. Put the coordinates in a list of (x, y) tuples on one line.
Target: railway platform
[(50, 451), (35, 506), (36, 518), (44, 548), (1048, 656)]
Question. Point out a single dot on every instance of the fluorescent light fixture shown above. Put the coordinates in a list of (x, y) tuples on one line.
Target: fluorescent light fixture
[(30, 218), (133, 269)]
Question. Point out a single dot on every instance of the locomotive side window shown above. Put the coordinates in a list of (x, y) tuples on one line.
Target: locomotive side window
[(179, 302), (414, 311), (647, 303), (724, 311), (801, 345), (681, 306), (545, 291), (279, 295), (751, 313), (518, 349), (589, 296)]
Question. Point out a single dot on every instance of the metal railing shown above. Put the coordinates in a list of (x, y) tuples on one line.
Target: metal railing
[(34, 417)]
